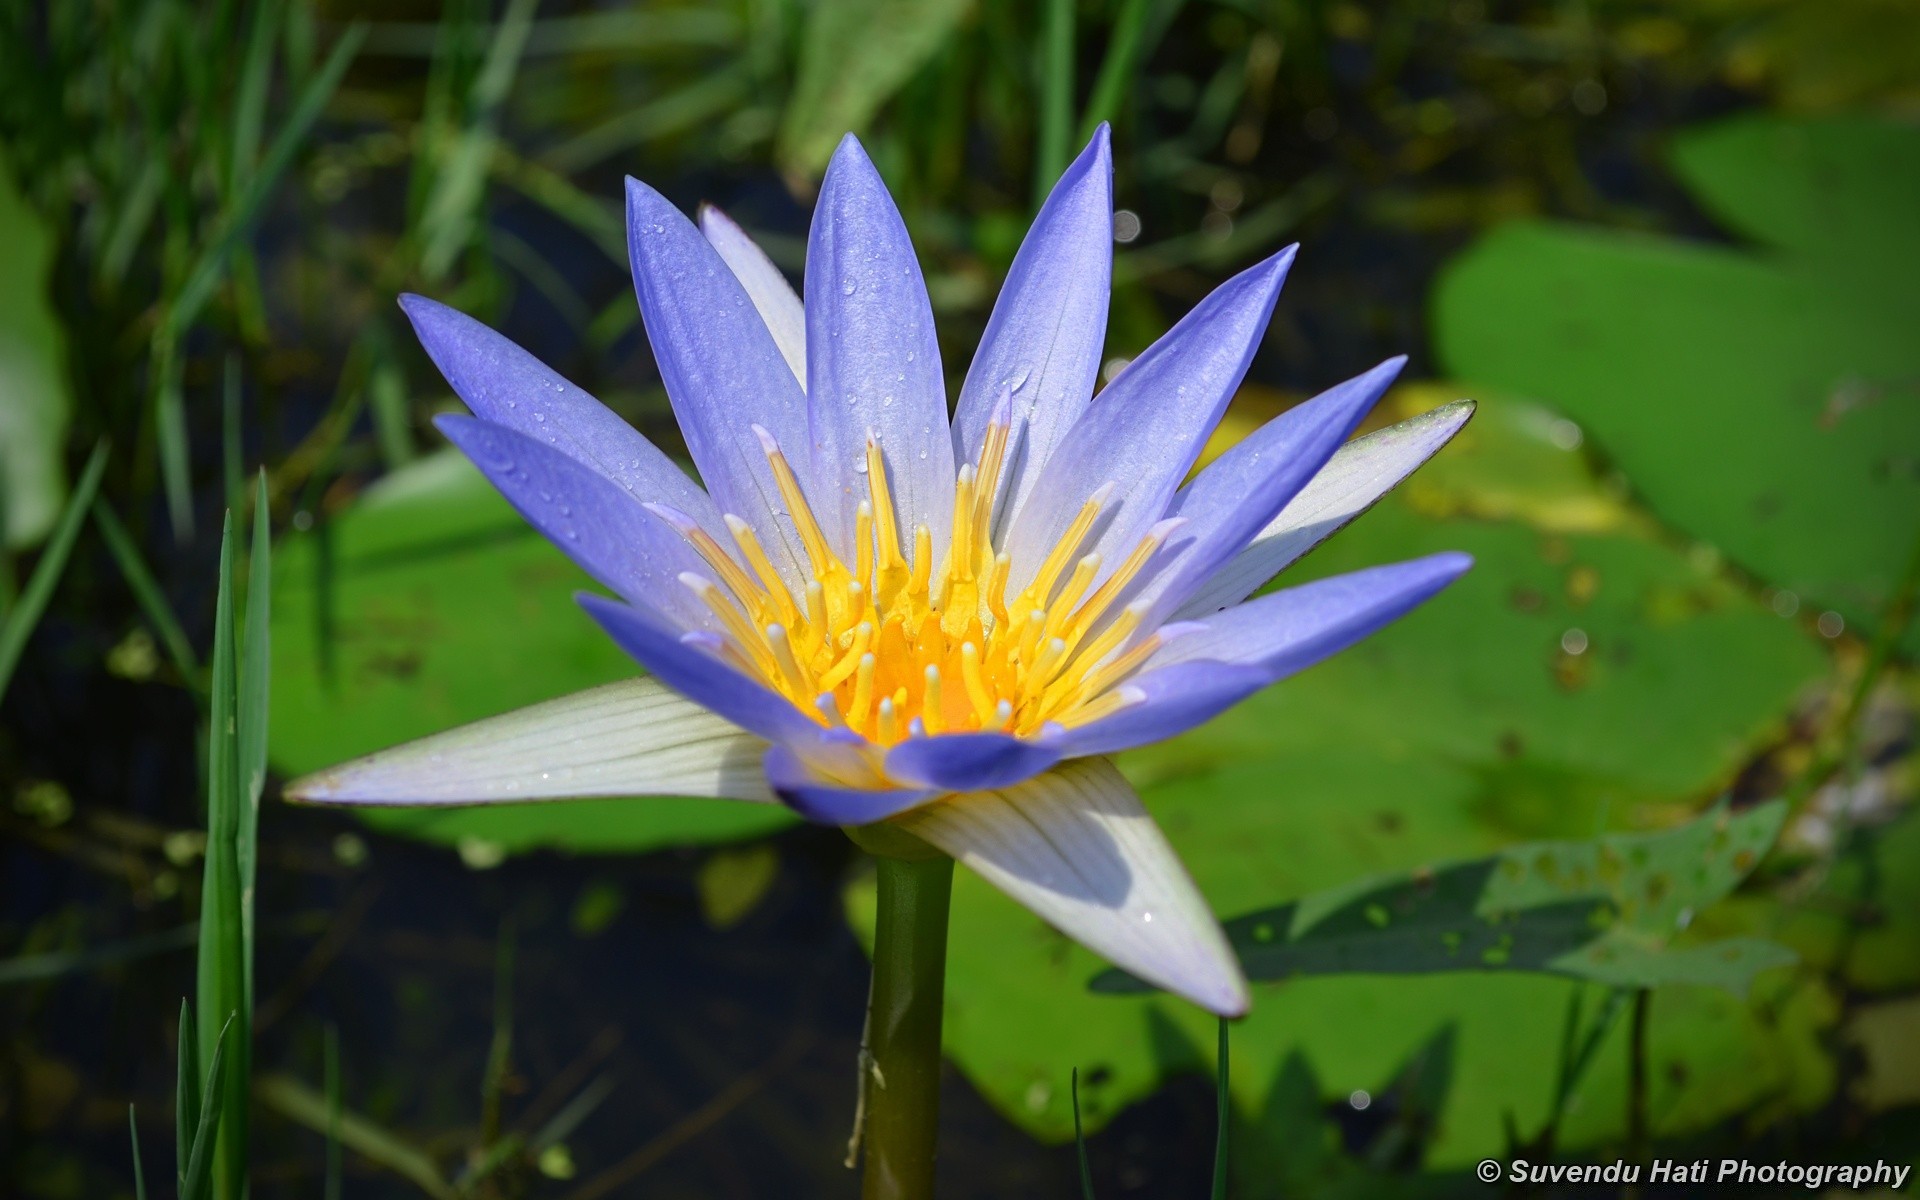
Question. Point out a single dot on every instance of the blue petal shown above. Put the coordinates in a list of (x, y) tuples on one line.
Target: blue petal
[(589, 517), (1236, 495), (1363, 470), (699, 676), (1289, 630), (1144, 431), (722, 371), (873, 362), (969, 762), (817, 799), (1167, 702), (504, 384), (772, 295), (1238, 652), (1044, 338)]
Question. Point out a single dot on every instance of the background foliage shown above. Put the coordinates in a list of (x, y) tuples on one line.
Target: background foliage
[(1607, 850)]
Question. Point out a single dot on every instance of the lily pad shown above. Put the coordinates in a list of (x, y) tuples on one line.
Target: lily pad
[(1765, 398), (1474, 723), (1607, 909), (34, 400), (430, 603)]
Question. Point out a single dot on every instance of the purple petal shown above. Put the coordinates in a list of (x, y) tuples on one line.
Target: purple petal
[(969, 762), (873, 362), (504, 384), (1289, 630), (772, 295), (722, 371), (1363, 470), (589, 517), (1044, 338), (803, 789), (699, 676), (1241, 491), (1144, 431), (1166, 702), (1076, 847), (1205, 671)]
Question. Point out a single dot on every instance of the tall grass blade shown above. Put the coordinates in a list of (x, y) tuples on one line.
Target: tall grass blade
[(221, 982), (250, 101), (1056, 97), (202, 277), (170, 435), (139, 1169), (196, 1182), (1225, 1107), (455, 199), (1118, 67), (146, 592), (251, 732), (186, 1100), (335, 1106), (1080, 1142), (26, 611)]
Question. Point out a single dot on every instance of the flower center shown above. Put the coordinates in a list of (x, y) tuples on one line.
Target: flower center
[(891, 648)]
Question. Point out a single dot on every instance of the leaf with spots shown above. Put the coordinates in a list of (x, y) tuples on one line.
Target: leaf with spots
[(1612, 909)]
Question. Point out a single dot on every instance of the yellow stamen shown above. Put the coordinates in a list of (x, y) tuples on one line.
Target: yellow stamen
[(983, 700), (798, 510), (790, 667), (931, 705)]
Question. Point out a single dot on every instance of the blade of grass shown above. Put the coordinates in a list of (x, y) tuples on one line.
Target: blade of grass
[(238, 220), (299, 1103), (146, 592), (170, 435), (334, 1108), (1224, 1121), (251, 728), (455, 199), (1117, 68), (221, 975), (32, 968), (27, 610), (1080, 1142), (186, 1102), (139, 1170), (1056, 97), (250, 99), (196, 1182)]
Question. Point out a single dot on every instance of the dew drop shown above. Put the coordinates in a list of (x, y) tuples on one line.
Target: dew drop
[(849, 288)]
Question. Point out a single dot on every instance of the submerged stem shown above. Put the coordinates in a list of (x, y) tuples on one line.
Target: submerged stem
[(902, 1086)]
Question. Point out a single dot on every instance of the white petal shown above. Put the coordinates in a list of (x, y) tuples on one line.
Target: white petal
[(769, 290), (632, 738), (1076, 846), (1364, 470)]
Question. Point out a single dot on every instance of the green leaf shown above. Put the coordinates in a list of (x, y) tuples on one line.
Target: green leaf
[(250, 736), (1765, 400), (198, 1178), (1462, 729), (139, 1168), (435, 605), (221, 974), (300, 1103), (33, 419), (1604, 909), (854, 55), (17, 622)]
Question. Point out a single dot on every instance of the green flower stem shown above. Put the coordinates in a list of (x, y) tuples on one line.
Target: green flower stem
[(902, 1084)]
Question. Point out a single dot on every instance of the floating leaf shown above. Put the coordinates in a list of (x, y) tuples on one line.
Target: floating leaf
[(430, 603), (34, 400), (1765, 400), (1604, 909)]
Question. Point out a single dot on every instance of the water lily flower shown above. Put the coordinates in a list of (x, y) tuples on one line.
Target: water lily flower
[(873, 613)]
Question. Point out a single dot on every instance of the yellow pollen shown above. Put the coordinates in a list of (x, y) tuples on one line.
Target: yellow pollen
[(900, 645)]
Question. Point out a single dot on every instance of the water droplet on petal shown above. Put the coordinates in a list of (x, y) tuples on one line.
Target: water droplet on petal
[(849, 288)]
